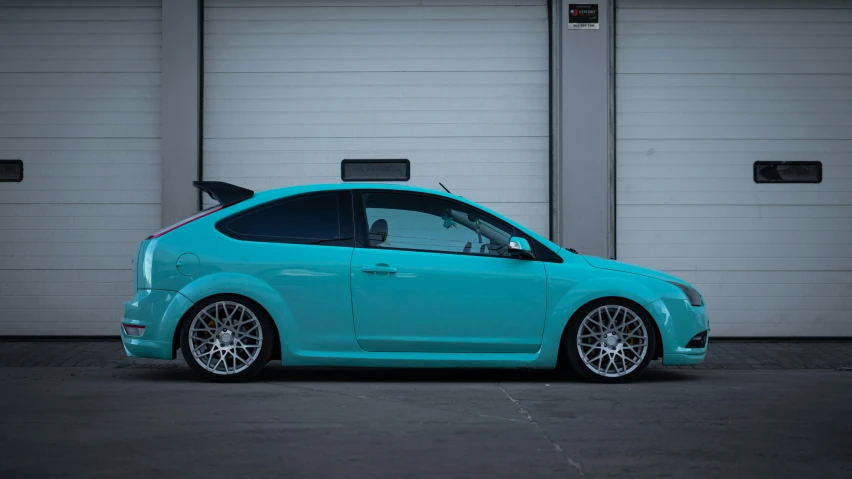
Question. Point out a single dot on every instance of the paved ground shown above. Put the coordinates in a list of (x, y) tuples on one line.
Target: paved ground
[(722, 355), (96, 414)]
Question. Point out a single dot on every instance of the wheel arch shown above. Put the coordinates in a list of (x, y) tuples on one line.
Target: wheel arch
[(252, 289), (561, 360), (187, 316)]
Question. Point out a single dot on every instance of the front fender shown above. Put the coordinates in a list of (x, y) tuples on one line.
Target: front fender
[(256, 290), (567, 296)]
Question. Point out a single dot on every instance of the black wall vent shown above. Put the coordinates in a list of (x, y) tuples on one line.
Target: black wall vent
[(787, 172), (375, 170)]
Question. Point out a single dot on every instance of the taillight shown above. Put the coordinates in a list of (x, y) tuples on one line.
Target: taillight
[(180, 223)]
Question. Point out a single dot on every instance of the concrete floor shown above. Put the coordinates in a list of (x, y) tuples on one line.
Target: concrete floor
[(143, 422)]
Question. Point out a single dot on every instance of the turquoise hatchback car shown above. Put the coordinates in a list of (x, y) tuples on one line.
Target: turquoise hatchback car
[(393, 276)]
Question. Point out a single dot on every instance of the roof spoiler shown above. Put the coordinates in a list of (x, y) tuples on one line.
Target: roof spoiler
[(225, 193)]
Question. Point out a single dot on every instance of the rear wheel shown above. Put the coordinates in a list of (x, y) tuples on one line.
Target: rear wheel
[(227, 338), (610, 341)]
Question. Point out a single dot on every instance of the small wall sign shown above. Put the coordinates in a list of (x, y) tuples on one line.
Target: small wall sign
[(11, 171), (375, 170), (583, 16)]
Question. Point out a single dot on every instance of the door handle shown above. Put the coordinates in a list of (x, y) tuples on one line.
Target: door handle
[(379, 269)]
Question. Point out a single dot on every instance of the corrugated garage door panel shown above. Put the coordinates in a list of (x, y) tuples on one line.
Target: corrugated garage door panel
[(704, 91), (79, 104), (458, 88)]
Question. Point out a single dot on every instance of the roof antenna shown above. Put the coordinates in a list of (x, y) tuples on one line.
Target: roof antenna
[(444, 187)]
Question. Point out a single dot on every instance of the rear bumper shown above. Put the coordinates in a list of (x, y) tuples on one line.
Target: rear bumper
[(679, 322), (140, 348), (159, 312)]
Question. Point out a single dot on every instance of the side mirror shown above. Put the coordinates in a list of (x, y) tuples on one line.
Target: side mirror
[(519, 247)]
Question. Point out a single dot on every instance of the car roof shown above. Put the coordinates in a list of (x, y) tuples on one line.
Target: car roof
[(290, 190), (276, 193)]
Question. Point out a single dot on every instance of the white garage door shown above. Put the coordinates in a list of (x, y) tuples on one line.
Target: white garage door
[(460, 88), (79, 105), (705, 89)]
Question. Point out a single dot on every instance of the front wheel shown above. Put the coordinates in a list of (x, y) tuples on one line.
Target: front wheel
[(610, 341), (227, 338)]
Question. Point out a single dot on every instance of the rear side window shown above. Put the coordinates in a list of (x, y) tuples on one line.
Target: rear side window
[(312, 219)]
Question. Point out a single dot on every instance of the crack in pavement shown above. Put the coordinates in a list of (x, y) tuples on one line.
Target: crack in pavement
[(553, 443), (393, 401)]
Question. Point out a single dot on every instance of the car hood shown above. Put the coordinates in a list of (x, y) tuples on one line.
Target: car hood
[(613, 265)]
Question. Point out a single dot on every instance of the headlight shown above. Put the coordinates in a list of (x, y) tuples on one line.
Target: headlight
[(693, 295)]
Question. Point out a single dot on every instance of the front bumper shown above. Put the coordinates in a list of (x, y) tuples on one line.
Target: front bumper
[(159, 312), (679, 322), (684, 359)]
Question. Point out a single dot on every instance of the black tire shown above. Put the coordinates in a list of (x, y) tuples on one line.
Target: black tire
[(571, 350), (242, 372)]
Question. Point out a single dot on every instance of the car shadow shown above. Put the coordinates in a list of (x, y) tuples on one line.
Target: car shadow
[(416, 375), (444, 375)]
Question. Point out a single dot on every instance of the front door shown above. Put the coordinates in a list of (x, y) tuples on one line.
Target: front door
[(433, 276)]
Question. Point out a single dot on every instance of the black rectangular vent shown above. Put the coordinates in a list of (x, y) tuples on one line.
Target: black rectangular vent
[(11, 171), (375, 170), (787, 172), (698, 341)]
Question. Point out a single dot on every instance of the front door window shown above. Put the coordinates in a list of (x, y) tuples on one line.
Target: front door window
[(425, 223)]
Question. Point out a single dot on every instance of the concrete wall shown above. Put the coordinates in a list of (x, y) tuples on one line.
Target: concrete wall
[(180, 108), (582, 142)]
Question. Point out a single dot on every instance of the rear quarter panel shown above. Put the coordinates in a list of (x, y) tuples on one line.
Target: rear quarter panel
[(304, 288), (262, 293)]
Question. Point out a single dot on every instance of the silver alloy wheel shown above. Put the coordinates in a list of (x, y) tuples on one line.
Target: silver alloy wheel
[(225, 337), (612, 341)]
